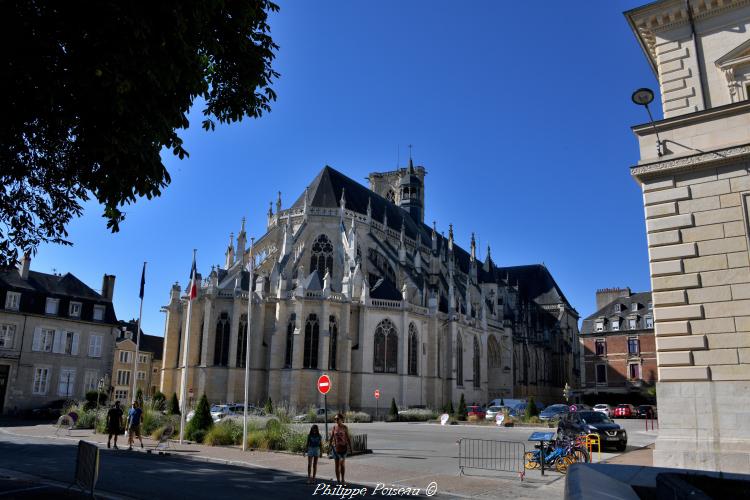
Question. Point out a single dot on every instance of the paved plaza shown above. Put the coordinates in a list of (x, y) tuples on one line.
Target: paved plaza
[(404, 455)]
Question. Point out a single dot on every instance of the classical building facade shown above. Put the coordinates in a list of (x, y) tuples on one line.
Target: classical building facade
[(148, 375), (351, 282), (57, 337), (696, 192), (619, 348)]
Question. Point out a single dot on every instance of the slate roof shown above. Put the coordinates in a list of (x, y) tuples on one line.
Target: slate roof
[(38, 286), (627, 309), (325, 190)]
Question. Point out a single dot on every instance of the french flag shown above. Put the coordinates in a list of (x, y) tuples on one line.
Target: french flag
[(193, 286)]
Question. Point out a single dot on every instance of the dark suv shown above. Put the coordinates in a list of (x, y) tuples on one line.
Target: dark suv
[(592, 422)]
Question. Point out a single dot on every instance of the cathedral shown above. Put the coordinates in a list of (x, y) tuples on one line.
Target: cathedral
[(349, 281)]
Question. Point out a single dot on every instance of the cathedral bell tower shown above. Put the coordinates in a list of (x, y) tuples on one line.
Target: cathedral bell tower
[(411, 193)]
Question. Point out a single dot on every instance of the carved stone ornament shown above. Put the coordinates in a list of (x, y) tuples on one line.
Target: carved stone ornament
[(685, 163)]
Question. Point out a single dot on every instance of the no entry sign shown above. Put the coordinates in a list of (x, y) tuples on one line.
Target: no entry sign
[(324, 384), (377, 393)]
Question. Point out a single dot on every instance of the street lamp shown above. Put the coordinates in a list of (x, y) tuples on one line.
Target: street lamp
[(643, 97)]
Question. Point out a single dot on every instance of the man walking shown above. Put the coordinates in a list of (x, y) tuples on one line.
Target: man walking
[(114, 423), (134, 424)]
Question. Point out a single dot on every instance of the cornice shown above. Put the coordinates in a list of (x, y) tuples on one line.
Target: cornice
[(712, 158), (648, 20)]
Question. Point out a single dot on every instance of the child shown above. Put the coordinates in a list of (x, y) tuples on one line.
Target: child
[(314, 440)]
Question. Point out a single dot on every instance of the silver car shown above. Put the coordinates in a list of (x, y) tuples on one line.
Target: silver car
[(604, 409), (493, 411)]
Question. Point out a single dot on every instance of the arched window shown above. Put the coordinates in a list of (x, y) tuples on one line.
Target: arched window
[(493, 352), (221, 342), (391, 196), (289, 341), (459, 360), (321, 256), (413, 349), (386, 348), (242, 342), (312, 333), (333, 329), (477, 373)]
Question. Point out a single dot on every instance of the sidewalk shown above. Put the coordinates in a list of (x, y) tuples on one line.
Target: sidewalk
[(642, 456), (359, 470)]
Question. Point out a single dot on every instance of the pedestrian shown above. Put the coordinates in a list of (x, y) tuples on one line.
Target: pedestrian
[(134, 424), (340, 444), (312, 447), (114, 423)]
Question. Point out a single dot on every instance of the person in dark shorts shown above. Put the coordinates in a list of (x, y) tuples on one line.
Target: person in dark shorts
[(312, 450), (114, 423), (340, 443), (134, 424)]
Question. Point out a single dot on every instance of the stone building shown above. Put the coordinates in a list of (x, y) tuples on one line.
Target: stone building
[(619, 348), (148, 376), (57, 337), (696, 190), (351, 282)]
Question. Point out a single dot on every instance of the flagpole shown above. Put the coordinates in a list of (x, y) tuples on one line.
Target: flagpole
[(183, 388), (247, 344), (138, 335)]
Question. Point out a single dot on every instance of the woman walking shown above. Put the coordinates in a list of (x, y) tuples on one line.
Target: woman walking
[(314, 440), (341, 444)]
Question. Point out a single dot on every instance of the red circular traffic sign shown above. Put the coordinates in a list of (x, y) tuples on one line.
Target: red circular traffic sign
[(324, 384), (377, 393)]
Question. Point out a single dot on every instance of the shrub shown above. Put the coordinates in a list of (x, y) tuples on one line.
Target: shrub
[(159, 401), (531, 409), (268, 407), (224, 433), (358, 417), (256, 439), (91, 400), (296, 442), (201, 421), (174, 405), (461, 412), (139, 397), (417, 415)]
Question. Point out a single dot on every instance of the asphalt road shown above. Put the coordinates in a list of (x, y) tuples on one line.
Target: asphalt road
[(140, 475)]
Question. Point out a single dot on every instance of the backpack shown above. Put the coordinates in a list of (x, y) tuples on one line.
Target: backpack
[(339, 440)]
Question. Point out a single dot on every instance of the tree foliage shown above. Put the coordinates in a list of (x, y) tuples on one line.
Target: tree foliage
[(201, 421), (393, 410), (531, 409), (174, 405), (95, 90)]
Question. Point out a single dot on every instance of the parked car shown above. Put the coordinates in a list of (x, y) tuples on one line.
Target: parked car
[(605, 409), (320, 415), (475, 411), (553, 411), (573, 424), (646, 411), (219, 412), (493, 411), (625, 411), (49, 411)]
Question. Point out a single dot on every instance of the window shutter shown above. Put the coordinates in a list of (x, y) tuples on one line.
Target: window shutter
[(36, 344), (57, 344), (47, 374), (74, 347)]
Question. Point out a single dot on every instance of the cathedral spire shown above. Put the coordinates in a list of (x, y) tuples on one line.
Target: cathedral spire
[(343, 199), (241, 242), (278, 203), (473, 248), (488, 264), (230, 252), (385, 220), (369, 209), (450, 237)]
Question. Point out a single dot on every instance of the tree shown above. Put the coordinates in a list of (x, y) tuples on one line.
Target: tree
[(502, 402), (158, 401), (93, 92), (393, 411), (139, 397), (461, 412), (91, 399), (174, 405), (201, 421)]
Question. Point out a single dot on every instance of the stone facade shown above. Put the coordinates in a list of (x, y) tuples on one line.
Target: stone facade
[(696, 197), (349, 281), (619, 347), (56, 337)]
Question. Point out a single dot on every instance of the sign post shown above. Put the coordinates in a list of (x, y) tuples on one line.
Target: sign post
[(324, 385), (377, 398)]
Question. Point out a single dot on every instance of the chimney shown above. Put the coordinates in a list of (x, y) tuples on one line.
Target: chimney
[(605, 296), (108, 286), (23, 266)]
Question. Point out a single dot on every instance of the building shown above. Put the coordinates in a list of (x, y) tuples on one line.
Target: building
[(618, 347), (696, 190), (148, 376), (351, 282), (56, 337)]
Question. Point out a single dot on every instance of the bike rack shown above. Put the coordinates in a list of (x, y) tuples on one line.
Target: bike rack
[(591, 440)]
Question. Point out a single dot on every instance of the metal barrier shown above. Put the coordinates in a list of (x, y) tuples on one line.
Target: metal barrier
[(487, 454), (591, 441)]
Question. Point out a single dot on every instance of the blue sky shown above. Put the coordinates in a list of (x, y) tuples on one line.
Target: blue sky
[(519, 111)]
